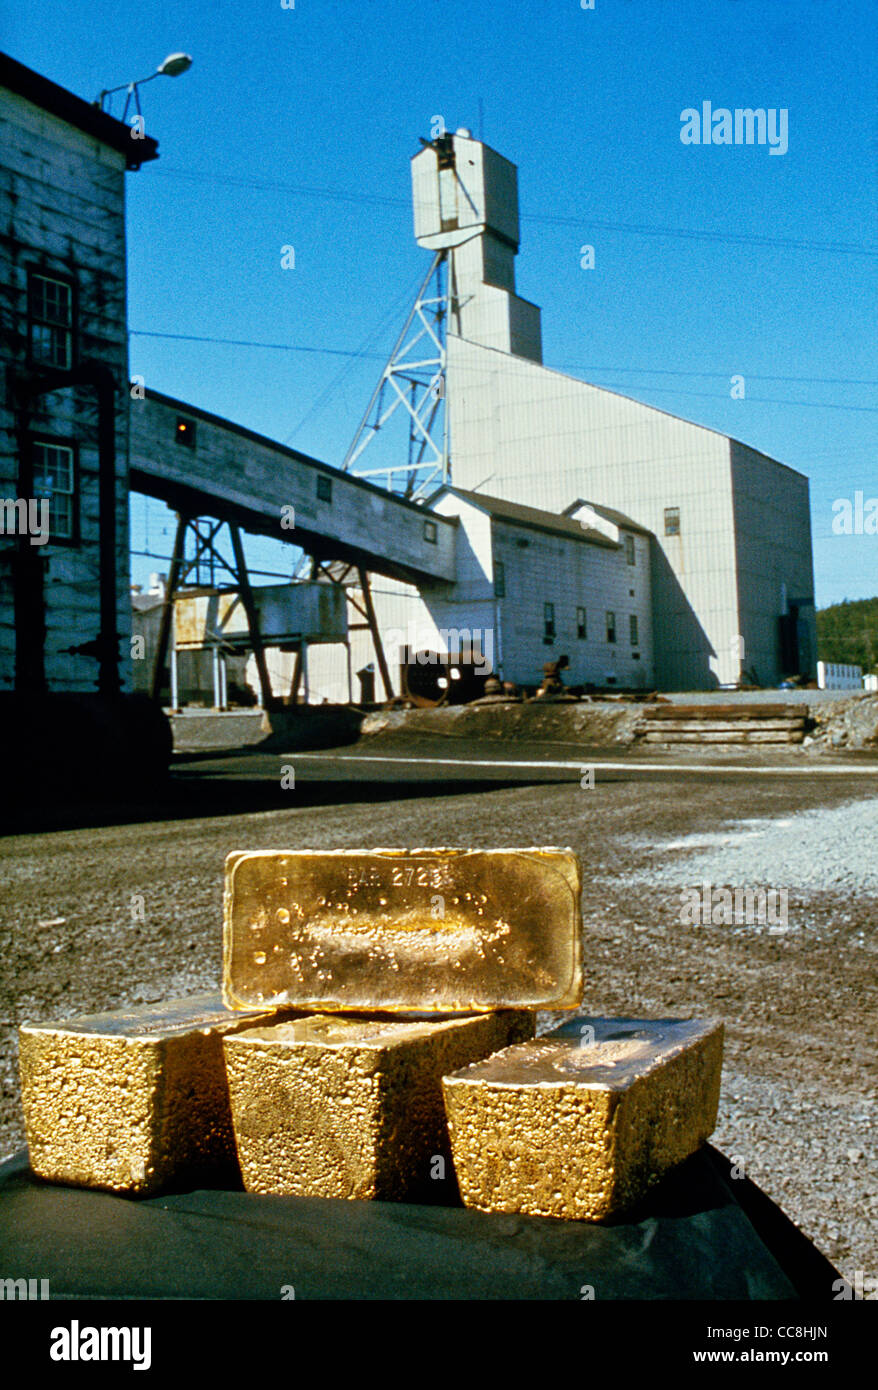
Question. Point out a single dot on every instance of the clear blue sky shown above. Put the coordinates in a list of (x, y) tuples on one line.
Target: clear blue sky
[(295, 126)]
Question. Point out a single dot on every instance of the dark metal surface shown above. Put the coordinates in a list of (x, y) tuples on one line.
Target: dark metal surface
[(700, 1236)]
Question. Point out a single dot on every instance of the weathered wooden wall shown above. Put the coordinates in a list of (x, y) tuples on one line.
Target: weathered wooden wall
[(62, 212)]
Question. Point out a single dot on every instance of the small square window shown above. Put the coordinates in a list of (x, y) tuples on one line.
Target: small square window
[(581, 624), (431, 532), (185, 432), (629, 550), (672, 521), (54, 477), (548, 622), (324, 488), (50, 321), (632, 629), (611, 627), (499, 579)]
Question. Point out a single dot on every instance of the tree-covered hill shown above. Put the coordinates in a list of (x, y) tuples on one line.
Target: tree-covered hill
[(848, 632)]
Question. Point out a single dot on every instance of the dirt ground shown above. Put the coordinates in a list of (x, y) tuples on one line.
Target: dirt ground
[(96, 918)]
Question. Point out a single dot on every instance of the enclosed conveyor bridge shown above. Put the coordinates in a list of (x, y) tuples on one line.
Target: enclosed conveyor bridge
[(202, 465), (206, 467)]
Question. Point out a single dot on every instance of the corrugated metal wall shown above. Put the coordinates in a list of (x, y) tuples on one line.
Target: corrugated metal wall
[(538, 437)]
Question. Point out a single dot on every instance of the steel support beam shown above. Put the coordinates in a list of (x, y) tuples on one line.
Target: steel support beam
[(414, 378), (376, 635), (299, 661), (167, 609), (252, 617)]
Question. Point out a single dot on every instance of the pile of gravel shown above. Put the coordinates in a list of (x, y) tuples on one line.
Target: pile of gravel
[(824, 850)]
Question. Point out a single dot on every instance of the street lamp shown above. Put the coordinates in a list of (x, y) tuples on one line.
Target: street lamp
[(173, 66)]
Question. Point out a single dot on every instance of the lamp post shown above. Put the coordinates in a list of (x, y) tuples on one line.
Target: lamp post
[(173, 66)]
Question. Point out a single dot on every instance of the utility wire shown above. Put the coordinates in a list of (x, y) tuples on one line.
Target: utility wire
[(664, 390), (269, 574), (838, 248), (580, 220), (567, 366), (750, 376), (248, 342), (756, 400), (363, 352)]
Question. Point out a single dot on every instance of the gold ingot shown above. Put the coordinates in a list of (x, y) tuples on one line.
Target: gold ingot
[(333, 1106), (583, 1122), (132, 1100), (394, 930)]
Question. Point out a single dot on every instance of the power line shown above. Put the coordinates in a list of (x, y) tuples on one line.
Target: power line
[(566, 366), (330, 390), (839, 248), (267, 185), (664, 390), (154, 555), (581, 220), (750, 376), (758, 400), (360, 353), (248, 342)]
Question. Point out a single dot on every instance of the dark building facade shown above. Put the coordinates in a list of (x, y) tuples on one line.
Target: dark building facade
[(65, 614)]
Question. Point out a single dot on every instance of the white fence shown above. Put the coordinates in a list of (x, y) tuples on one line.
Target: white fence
[(832, 676)]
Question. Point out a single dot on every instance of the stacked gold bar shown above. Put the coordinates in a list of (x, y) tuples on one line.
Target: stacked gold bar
[(582, 1123), (333, 1106), (377, 1020), (356, 1107), (426, 930), (137, 1100), (134, 1100)]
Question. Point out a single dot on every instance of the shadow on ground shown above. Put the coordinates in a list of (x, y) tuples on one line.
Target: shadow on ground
[(195, 794)]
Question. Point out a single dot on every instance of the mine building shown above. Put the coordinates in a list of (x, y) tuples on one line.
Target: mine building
[(723, 531), (534, 516)]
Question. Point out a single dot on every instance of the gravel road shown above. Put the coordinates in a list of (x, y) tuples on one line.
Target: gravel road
[(97, 918)]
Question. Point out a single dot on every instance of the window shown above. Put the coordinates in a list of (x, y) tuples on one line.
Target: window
[(632, 629), (324, 488), (611, 627), (185, 432), (672, 521), (431, 532), (499, 579), (55, 478), (50, 320), (581, 624), (548, 622), (629, 549)]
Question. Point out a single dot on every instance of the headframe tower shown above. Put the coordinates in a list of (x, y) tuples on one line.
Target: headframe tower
[(465, 202)]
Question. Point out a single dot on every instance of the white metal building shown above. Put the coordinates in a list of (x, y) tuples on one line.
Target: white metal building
[(732, 555), (731, 565), (531, 586)]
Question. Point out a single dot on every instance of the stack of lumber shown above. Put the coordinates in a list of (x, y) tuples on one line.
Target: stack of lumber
[(752, 723)]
